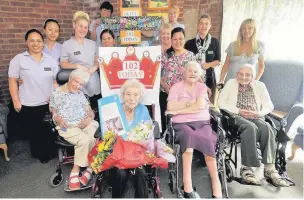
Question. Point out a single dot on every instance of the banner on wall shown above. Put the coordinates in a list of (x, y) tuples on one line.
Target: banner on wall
[(132, 23), (118, 64)]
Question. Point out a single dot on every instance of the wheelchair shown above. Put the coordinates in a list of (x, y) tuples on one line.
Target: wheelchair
[(169, 137), (100, 180), (233, 137), (65, 149)]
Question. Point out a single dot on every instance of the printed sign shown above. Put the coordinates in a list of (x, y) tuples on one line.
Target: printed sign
[(130, 12), (118, 64), (130, 37)]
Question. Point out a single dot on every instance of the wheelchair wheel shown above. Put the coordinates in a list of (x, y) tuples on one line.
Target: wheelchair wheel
[(172, 182), (60, 155), (56, 179), (223, 181), (229, 171), (96, 190)]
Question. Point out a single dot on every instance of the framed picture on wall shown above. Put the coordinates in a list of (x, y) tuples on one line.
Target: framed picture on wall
[(158, 4), (164, 15), (130, 3)]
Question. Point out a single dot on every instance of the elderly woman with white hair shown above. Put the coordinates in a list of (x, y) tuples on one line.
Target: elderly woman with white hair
[(250, 101), (188, 102), (75, 123), (131, 94)]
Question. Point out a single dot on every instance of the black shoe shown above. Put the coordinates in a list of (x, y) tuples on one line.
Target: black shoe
[(214, 197), (191, 195)]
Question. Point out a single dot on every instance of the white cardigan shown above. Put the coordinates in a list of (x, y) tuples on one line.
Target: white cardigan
[(228, 97)]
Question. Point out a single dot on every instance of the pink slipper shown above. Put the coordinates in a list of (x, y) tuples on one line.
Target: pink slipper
[(74, 185), (86, 176)]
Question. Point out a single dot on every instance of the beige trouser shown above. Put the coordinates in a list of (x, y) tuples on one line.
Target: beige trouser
[(84, 141)]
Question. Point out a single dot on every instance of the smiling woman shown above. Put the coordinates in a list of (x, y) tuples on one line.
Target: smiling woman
[(81, 53), (30, 100)]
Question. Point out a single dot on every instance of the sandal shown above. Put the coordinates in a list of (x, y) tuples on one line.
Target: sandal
[(275, 178), (85, 177), (72, 184), (248, 176)]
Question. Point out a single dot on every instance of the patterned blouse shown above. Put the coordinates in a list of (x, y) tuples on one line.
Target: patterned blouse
[(69, 106), (246, 99), (172, 68)]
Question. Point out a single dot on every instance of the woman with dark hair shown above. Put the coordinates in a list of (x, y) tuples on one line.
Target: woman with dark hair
[(173, 61), (95, 28), (107, 38), (30, 101), (51, 47), (207, 51)]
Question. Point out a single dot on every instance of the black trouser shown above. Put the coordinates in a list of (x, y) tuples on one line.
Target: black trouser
[(163, 107), (28, 124), (119, 178)]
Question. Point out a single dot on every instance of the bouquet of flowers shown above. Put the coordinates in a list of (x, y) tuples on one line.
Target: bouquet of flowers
[(143, 134), (101, 151), (113, 151)]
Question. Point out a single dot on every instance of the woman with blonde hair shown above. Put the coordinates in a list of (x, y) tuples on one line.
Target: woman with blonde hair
[(173, 16), (246, 49), (81, 53)]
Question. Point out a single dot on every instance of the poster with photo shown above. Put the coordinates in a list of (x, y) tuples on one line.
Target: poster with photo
[(130, 3), (158, 4), (118, 64), (111, 116)]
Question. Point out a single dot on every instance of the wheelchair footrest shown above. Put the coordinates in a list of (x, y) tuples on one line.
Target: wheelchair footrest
[(241, 181)]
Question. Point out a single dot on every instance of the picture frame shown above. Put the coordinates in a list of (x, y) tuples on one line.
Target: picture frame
[(130, 4), (158, 4), (111, 116), (159, 14)]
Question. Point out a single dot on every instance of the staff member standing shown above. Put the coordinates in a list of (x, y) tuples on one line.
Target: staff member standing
[(30, 100), (207, 51), (51, 46), (96, 28), (81, 53)]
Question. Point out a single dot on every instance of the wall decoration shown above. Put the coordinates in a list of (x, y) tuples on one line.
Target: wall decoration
[(158, 4)]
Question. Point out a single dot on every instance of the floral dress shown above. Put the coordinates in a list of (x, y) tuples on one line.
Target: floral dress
[(172, 68)]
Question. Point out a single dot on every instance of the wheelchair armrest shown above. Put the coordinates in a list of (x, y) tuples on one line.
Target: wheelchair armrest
[(156, 130), (269, 119), (280, 119), (97, 133), (227, 113), (215, 113)]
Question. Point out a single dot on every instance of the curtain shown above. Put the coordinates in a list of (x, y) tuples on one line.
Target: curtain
[(279, 23)]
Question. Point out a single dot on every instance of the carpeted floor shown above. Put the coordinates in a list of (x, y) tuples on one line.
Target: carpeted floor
[(24, 177)]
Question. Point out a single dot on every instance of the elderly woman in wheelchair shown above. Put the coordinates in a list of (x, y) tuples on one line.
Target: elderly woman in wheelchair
[(249, 100), (75, 123), (131, 94), (188, 103)]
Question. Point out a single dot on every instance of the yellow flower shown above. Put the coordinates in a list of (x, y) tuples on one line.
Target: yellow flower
[(100, 147)]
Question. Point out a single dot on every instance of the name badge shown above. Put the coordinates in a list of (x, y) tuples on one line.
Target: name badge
[(210, 52), (47, 69), (77, 53)]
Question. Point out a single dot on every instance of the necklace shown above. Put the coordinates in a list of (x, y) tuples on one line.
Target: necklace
[(128, 114)]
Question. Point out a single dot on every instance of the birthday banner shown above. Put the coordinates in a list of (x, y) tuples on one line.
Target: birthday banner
[(118, 64), (132, 23)]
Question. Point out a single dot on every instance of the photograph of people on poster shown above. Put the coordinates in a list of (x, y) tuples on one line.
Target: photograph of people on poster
[(130, 3), (158, 4)]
